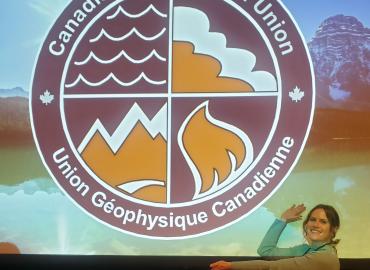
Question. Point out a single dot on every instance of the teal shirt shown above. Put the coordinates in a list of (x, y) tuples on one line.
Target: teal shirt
[(321, 256), (268, 246)]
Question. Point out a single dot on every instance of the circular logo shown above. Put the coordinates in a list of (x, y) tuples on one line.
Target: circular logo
[(171, 119)]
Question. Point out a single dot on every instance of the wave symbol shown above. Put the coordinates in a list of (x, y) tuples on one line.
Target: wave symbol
[(112, 76), (131, 32), (118, 56), (138, 15)]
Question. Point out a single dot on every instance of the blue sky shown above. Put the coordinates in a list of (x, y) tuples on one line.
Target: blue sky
[(310, 13), (24, 24)]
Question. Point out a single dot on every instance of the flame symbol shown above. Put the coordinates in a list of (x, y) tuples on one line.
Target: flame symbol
[(216, 152)]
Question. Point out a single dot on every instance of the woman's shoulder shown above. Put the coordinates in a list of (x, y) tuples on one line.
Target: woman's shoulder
[(326, 248), (326, 258)]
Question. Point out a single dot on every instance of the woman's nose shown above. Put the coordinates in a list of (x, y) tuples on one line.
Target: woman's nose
[(315, 223)]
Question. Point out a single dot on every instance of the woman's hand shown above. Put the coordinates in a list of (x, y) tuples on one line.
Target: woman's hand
[(293, 213), (220, 265)]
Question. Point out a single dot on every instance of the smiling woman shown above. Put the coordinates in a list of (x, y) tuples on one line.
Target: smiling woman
[(320, 227)]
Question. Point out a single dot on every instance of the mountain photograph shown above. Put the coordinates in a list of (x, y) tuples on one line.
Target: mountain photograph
[(333, 167), (15, 127), (17, 147), (340, 52)]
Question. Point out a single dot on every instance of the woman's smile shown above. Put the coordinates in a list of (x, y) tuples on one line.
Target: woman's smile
[(318, 227)]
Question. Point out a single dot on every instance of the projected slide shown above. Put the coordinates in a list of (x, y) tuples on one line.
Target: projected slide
[(181, 127)]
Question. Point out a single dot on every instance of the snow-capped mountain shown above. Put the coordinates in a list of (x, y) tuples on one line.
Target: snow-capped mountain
[(14, 92), (340, 51)]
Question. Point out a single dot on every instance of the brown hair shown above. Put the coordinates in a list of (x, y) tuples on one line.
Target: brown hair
[(333, 219)]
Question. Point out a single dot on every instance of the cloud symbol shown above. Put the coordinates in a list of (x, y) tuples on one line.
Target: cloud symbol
[(192, 25), (200, 72)]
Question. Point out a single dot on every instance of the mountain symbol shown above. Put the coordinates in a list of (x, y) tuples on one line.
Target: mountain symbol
[(133, 159), (158, 125)]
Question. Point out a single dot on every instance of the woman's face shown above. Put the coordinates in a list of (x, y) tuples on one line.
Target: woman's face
[(318, 228)]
